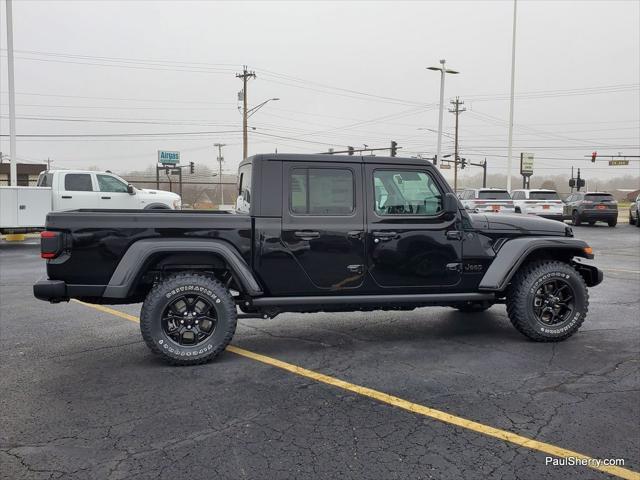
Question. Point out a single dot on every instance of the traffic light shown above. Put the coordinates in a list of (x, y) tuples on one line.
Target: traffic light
[(580, 183), (394, 148), (191, 168), (593, 156), (463, 163), (350, 150), (572, 182)]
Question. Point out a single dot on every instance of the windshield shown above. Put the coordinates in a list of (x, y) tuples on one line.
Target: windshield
[(494, 195), (544, 196), (599, 197)]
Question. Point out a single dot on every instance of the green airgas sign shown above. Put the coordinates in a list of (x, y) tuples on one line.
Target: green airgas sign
[(167, 157)]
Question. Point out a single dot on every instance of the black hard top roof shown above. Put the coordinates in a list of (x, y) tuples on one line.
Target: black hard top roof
[(323, 157)]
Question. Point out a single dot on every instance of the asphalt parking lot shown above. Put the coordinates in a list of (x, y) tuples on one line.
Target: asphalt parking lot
[(82, 396)]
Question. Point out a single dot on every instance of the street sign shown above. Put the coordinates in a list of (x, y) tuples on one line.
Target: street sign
[(615, 163), (445, 166), (526, 164), (166, 157)]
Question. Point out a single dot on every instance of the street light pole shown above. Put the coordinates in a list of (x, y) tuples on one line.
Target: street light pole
[(443, 70), (13, 167), (513, 75)]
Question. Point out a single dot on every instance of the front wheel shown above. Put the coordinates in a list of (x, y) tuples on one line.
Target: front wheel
[(188, 318), (547, 301), (612, 223)]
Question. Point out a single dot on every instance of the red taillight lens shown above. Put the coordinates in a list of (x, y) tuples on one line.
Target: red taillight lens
[(50, 244)]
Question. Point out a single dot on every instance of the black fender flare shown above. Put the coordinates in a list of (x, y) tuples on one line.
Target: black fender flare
[(513, 254), (127, 271)]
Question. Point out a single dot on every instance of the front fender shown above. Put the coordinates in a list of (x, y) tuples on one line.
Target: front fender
[(513, 254), (127, 271)]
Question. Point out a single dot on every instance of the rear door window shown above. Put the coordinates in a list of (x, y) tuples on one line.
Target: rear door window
[(78, 182), (494, 195), (321, 191)]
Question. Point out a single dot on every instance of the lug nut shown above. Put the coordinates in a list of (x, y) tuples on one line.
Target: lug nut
[(182, 321)]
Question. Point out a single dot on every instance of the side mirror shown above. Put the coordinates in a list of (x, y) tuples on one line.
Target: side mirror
[(131, 190), (451, 205)]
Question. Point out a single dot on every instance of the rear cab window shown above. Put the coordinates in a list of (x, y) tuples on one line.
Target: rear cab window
[(494, 195), (243, 201), (78, 182), (45, 180)]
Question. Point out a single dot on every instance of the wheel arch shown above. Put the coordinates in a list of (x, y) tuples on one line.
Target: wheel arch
[(178, 254), (515, 253)]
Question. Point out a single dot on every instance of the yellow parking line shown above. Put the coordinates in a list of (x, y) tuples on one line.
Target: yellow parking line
[(412, 407)]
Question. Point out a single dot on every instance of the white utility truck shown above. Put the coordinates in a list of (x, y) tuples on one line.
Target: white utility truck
[(24, 209)]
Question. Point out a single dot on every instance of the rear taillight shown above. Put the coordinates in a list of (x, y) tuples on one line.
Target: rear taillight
[(50, 244)]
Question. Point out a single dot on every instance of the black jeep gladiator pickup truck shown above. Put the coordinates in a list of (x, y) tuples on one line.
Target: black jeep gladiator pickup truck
[(317, 233)]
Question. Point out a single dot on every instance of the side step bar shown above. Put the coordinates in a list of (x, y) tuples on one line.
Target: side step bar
[(436, 298)]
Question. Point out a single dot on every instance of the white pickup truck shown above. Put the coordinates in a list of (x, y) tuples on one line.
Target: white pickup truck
[(24, 209)]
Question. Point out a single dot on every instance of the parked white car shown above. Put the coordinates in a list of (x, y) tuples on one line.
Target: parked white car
[(541, 202), (24, 209), (73, 189), (492, 200)]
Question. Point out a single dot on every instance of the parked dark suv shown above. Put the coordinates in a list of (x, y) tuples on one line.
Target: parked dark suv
[(591, 207)]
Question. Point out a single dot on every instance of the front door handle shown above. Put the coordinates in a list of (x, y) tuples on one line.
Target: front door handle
[(105, 198), (307, 235), (67, 196), (358, 269), (454, 235)]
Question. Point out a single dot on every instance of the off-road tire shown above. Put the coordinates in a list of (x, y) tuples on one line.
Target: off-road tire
[(473, 307), (520, 295), (638, 219), (612, 223), (163, 293), (631, 220), (575, 218)]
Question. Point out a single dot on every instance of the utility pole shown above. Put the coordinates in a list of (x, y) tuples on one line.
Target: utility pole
[(443, 71), (457, 111), (220, 160), (48, 163), (245, 76), (484, 173), (13, 167)]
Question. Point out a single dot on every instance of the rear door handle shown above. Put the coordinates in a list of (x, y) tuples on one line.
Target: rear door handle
[(356, 234), (105, 198), (454, 235), (307, 235), (384, 234), (67, 196)]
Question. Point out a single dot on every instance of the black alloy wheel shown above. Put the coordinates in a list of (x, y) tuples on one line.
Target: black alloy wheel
[(189, 319), (553, 302)]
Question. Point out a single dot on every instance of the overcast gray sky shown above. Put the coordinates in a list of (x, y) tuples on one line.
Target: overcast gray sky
[(346, 73)]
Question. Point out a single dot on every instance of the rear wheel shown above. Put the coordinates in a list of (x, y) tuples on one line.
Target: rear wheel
[(612, 223), (547, 301), (188, 319), (575, 218), (592, 223), (637, 218)]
